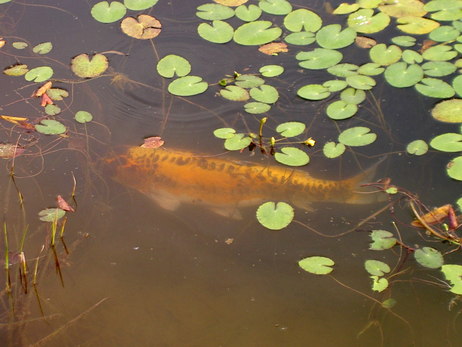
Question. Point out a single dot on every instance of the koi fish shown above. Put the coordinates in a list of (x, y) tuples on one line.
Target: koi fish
[(174, 177)]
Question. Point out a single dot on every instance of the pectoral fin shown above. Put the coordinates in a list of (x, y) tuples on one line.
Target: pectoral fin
[(165, 200), (301, 202)]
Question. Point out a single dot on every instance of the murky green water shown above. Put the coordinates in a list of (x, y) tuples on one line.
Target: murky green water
[(139, 275)]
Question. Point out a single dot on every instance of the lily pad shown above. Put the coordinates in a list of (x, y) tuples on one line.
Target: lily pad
[(445, 10), (453, 274), (51, 214), (416, 25), (317, 265), (231, 3), (39, 74), (457, 85), (345, 8), (301, 38), (343, 70), (292, 156), (52, 110), (277, 7), (448, 111), (385, 55), (439, 53), (271, 70), (333, 150), (365, 21), (357, 136), (370, 69), (404, 41), (290, 129), (454, 168), (302, 19), (19, 44), (249, 81), (313, 92), (50, 127), (265, 93), (143, 27), (57, 93), (403, 8), (214, 12), (275, 216), (106, 12), (353, 96), (379, 284), (256, 33), (85, 67), (235, 93), (335, 85), (381, 239), (449, 142), (218, 32), (411, 57), (417, 147), (429, 257), (402, 75), (376, 267), (248, 13), (43, 48), (187, 86), (361, 82), (333, 37), (256, 107), (438, 68), (339, 110), (172, 65), (435, 88), (139, 5), (16, 70), (319, 58), (83, 117), (237, 142), (224, 133), (444, 33)]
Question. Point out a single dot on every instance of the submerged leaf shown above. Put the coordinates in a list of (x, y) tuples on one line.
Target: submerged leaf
[(317, 265), (429, 257), (51, 214), (275, 216)]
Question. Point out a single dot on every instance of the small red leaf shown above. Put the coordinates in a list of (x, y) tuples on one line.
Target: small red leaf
[(153, 142), (63, 205), (46, 100)]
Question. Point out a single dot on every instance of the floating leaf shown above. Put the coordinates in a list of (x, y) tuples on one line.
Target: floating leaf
[(438, 68), (271, 70), (16, 70), (429, 257), (333, 37), (449, 111), (39, 74), (51, 214), (301, 38), (444, 33), (444, 10), (172, 65), (292, 156), (339, 110), (376, 267), (277, 7), (265, 93), (333, 150), (404, 41), (364, 21), (83, 117), (353, 96), (139, 5), (108, 13), (345, 8), (435, 88), (319, 58), (454, 168), (256, 33), (453, 273), (231, 3), (402, 75), (85, 67), (275, 216), (290, 129), (317, 265), (9, 151), (357, 136), (439, 53), (343, 70), (379, 284), (256, 107), (52, 110), (235, 93), (57, 93), (187, 86), (249, 81), (335, 85), (43, 48), (370, 69), (313, 92), (224, 133), (218, 32), (403, 8), (411, 57), (381, 239), (417, 147), (361, 82), (50, 127), (385, 55), (19, 45), (248, 13), (214, 12), (457, 85), (416, 25), (274, 48), (237, 142), (143, 27), (302, 19)]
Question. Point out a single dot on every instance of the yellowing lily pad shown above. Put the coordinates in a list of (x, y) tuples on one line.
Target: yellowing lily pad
[(416, 25), (231, 2), (454, 168), (404, 8), (143, 27), (448, 111), (85, 67), (16, 70), (365, 21), (43, 48)]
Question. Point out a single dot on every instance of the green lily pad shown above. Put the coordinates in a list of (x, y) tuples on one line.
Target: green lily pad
[(445, 10), (333, 150), (83, 117), (439, 53), (224, 133), (449, 142), (370, 69), (20, 44), (339, 110), (313, 92), (381, 239), (172, 65), (357, 136), (448, 111), (459, 203), (385, 55), (353, 96), (249, 81), (218, 32), (376, 267), (403, 8), (52, 110), (379, 284), (277, 7), (317, 265), (50, 127), (51, 214), (237, 142), (108, 13), (301, 38), (361, 82), (444, 33), (416, 25), (333, 37), (256, 33), (335, 85), (435, 88), (271, 70), (319, 58), (85, 67), (343, 70), (57, 93), (402, 75), (454, 168), (345, 8), (438, 68), (290, 129), (256, 107), (365, 21), (429, 257), (235, 93), (265, 93), (457, 85), (275, 216), (43, 48), (39, 74), (404, 41), (302, 19), (417, 147), (139, 5), (187, 86), (16, 70), (292, 156), (248, 13), (411, 57), (453, 274), (214, 12)]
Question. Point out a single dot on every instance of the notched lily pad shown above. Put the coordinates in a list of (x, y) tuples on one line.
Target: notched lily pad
[(39, 74), (237, 142), (429, 257), (333, 150), (290, 129), (317, 265), (50, 127), (234, 93), (143, 27), (83, 117), (172, 65), (43, 48), (217, 32), (357, 136), (265, 93), (188, 86), (417, 147), (85, 67), (448, 111), (454, 168), (16, 70), (256, 33), (376, 267), (214, 12), (224, 133), (139, 5), (275, 216), (292, 156), (381, 239), (302, 19), (106, 12)]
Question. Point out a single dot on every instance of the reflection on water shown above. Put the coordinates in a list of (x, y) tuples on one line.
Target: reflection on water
[(138, 274)]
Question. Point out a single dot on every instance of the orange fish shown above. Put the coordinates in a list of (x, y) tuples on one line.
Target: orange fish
[(174, 177)]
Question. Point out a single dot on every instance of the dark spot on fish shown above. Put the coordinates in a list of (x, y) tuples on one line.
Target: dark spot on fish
[(274, 180), (172, 159), (230, 169), (183, 160), (221, 167), (164, 158), (212, 166), (202, 163)]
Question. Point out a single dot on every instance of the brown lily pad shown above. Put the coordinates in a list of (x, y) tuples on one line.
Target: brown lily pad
[(231, 3), (143, 27), (273, 48)]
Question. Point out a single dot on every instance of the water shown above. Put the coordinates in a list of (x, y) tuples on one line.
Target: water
[(140, 275)]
